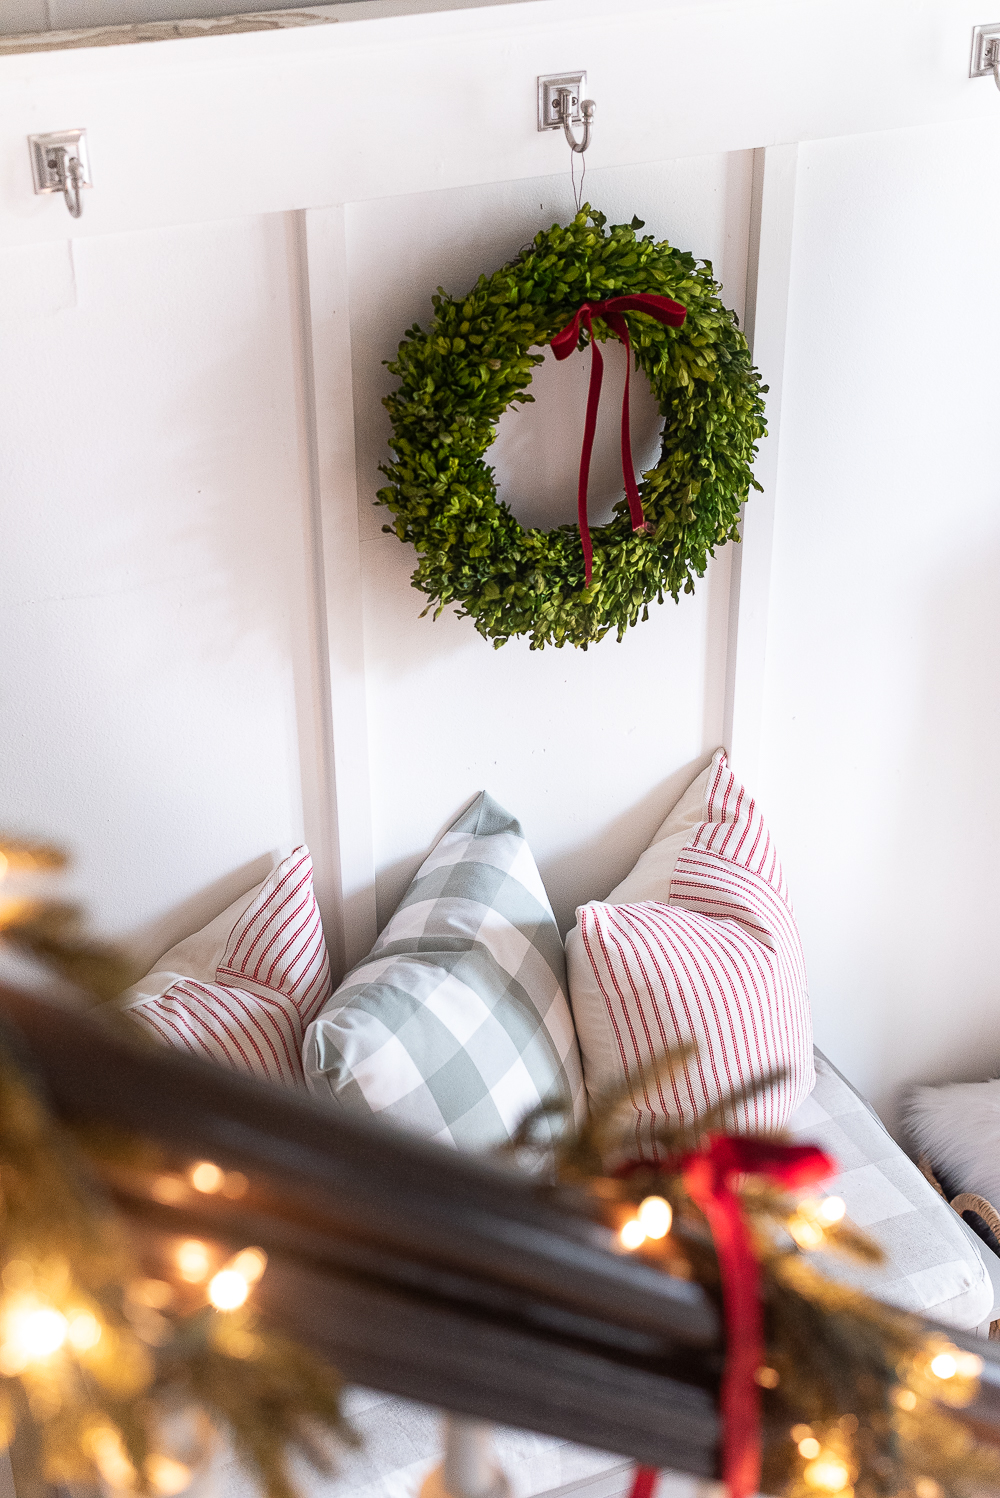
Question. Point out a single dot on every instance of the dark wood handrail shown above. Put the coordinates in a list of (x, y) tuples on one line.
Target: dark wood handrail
[(440, 1276), (415, 1269)]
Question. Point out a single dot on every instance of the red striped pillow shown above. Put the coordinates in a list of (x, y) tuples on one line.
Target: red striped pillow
[(242, 991), (719, 963)]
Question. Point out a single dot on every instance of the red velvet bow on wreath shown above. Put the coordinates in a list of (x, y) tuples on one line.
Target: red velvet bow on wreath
[(672, 315), (710, 1177)]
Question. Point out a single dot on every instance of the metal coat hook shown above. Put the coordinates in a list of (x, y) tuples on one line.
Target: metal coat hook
[(986, 53), (70, 174), (59, 163), (560, 107), (566, 116)]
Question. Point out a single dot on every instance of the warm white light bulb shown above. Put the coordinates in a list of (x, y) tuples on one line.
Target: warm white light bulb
[(944, 1366), (84, 1331), (655, 1217), (806, 1234), (832, 1209), (251, 1264), (106, 1447), (31, 1335), (827, 1473), (207, 1177), (167, 1475), (227, 1290), (633, 1233), (193, 1261)]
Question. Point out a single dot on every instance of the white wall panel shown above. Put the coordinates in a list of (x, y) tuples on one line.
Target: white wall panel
[(155, 667), (367, 104), (882, 713), (586, 748)]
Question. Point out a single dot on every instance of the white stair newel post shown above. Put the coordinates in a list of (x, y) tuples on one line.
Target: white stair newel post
[(470, 1468)]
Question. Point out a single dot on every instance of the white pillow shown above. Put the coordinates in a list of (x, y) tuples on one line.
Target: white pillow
[(958, 1127), (654, 869), (716, 958), (242, 990)]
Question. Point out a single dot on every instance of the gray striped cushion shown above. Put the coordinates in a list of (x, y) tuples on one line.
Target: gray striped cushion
[(932, 1264), (457, 1022)]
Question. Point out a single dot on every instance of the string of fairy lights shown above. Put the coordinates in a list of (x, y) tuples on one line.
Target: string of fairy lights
[(807, 1224), (54, 1338), (859, 1399), (34, 1328), (103, 1352), (941, 1372)]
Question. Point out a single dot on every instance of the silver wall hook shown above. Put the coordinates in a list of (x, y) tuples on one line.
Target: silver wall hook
[(70, 174), (560, 107), (59, 163), (587, 109), (986, 53)]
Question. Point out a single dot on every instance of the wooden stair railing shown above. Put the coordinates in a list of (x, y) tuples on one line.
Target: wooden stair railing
[(417, 1270)]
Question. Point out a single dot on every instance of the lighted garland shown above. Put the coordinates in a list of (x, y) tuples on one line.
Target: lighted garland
[(109, 1355), (475, 361), (858, 1400)]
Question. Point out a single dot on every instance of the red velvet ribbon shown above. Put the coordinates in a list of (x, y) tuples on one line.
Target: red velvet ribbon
[(671, 314), (710, 1177)]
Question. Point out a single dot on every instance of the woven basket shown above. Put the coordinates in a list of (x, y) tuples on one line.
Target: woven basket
[(968, 1201)]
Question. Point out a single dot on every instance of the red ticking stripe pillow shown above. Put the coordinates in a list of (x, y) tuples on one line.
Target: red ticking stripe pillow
[(719, 963), (242, 992)]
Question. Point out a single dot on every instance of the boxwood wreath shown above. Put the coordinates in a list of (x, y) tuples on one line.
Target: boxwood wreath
[(476, 361)]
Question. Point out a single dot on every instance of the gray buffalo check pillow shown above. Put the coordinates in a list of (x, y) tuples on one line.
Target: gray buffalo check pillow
[(457, 1022)]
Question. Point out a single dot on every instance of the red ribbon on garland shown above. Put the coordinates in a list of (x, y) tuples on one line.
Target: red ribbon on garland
[(710, 1177), (671, 314)]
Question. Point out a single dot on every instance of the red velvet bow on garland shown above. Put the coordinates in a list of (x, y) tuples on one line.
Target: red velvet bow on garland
[(671, 314), (710, 1176)]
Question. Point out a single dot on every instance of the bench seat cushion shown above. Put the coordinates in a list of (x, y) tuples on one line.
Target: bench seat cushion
[(934, 1265)]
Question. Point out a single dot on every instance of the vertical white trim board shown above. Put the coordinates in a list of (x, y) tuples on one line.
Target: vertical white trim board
[(353, 930), (316, 752), (768, 280)]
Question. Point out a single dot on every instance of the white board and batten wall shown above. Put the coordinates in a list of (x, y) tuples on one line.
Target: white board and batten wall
[(210, 647)]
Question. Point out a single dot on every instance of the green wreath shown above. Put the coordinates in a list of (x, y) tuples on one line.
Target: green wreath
[(460, 377)]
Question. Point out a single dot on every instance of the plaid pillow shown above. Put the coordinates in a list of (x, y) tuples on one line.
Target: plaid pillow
[(457, 1023)]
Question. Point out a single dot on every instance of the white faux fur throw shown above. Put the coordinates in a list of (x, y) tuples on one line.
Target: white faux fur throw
[(958, 1127)]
